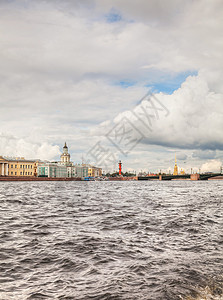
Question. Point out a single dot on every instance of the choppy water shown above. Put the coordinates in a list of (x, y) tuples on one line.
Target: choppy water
[(110, 240)]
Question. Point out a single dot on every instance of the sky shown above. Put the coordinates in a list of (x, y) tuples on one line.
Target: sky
[(137, 81)]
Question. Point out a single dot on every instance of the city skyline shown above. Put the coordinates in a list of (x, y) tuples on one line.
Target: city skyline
[(65, 160), (73, 70)]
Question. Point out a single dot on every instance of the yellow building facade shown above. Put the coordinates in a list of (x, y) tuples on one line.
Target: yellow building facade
[(17, 167), (94, 171), (182, 172)]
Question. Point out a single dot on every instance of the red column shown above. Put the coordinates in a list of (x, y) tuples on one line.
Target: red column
[(120, 168)]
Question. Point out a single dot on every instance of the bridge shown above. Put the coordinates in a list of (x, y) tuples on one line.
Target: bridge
[(181, 177), (211, 175)]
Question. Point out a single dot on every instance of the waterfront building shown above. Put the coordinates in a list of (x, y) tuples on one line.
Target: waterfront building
[(175, 172), (71, 171), (59, 169), (81, 170), (17, 166), (51, 169), (94, 171), (87, 170)]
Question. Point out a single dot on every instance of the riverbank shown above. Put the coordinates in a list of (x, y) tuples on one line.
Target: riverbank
[(24, 178)]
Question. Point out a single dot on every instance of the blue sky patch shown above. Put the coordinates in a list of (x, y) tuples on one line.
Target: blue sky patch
[(125, 83), (113, 17), (168, 86)]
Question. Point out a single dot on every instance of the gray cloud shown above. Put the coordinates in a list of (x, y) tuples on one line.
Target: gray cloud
[(182, 156), (202, 154), (154, 12)]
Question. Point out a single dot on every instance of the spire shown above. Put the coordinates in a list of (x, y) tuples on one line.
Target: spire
[(175, 172), (65, 148)]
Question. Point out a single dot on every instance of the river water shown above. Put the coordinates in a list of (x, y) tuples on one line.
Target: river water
[(111, 240)]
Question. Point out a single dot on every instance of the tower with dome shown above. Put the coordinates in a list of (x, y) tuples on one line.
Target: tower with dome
[(65, 156), (66, 168)]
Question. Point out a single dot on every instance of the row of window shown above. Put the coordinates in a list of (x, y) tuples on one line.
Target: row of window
[(22, 173), (23, 166)]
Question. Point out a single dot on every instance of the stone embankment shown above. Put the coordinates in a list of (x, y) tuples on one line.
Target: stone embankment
[(123, 178), (26, 178)]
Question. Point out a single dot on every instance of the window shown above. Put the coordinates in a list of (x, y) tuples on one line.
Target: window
[(15, 173), (15, 166), (31, 166), (26, 166), (23, 166), (11, 173), (12, 166), (20, 166), (26, 173), (30, 173), (20, 173)]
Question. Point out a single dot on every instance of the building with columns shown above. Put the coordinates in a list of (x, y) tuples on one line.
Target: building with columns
[(64, 168), (4, 167), (18, 166)]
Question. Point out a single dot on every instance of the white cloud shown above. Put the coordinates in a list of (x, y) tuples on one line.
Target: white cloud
[(17, 147), (211, 166), (195, 117)]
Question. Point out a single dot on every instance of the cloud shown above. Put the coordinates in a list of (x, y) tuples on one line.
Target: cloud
[(211, 166), (194, 121), (17, 147), (201, 154), (60, 41), (152, 12), (182, 156)]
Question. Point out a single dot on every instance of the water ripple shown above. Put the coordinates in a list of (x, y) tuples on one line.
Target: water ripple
[(111, 240)]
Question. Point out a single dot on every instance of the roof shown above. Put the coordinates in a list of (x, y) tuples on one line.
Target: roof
[(15, 159)]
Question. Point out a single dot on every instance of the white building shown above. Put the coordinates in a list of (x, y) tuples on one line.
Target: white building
[(64, 168), (51, 170)]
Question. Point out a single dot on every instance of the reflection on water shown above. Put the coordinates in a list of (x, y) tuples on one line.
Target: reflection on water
[(111, 240)]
